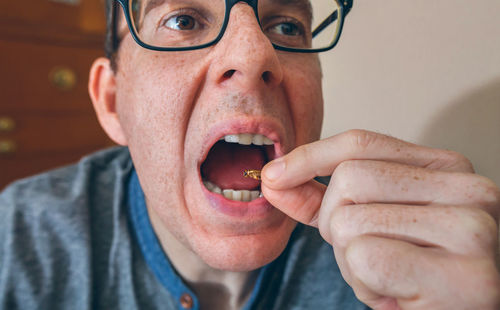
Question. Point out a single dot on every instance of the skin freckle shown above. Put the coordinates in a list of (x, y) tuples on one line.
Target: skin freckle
[(171, 102)]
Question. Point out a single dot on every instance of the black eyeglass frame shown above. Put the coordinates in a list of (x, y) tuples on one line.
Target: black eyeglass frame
[(345, 7)]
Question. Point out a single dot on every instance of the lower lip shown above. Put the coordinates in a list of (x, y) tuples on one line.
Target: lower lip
[(256, 208)]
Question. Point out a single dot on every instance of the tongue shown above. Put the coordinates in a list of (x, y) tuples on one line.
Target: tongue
[(226, 163)]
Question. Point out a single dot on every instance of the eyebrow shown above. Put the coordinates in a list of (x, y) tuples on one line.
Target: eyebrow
[(151, 5), (304, 5), (301, 4)]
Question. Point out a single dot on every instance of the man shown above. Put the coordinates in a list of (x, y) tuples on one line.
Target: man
[(199, 92)]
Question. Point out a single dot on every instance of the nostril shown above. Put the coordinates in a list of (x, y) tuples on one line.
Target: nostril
[(228, 74), (266, 76)]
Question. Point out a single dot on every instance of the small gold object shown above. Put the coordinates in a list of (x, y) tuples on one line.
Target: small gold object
[(63, 78), (254, 174), (7, 147), (7, 124)]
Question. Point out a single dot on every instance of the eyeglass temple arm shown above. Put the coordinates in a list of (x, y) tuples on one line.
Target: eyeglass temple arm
[(330, 19)]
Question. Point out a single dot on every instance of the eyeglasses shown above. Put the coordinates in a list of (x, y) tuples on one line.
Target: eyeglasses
[(180, 25)]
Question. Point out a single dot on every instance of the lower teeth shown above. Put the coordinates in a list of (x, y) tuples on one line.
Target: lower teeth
[(231, 194)]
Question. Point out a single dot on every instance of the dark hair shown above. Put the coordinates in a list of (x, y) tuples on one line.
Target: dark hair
[(111, 42)]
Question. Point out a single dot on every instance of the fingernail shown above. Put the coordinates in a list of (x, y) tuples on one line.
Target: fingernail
[(275, 169)]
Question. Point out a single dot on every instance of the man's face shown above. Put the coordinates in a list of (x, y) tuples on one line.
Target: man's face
[(174, 107)]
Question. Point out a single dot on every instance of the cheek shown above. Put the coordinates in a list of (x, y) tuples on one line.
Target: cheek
[(155, 93), (306, 99)]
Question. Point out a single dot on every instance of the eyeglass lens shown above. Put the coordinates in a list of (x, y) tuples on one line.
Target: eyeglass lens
[(300, 24)]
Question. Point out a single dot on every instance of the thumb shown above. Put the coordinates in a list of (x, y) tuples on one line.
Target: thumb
[(302, 203)]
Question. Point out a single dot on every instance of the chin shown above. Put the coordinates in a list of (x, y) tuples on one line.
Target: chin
[(244, 252)]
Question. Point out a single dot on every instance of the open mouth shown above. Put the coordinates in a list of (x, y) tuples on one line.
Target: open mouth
[(222, 172)]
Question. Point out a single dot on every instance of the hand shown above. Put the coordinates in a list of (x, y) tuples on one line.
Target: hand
[(412, 227)]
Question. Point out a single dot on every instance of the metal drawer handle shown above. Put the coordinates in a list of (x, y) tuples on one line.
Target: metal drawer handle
[(7, 124), (63, 78), (7, 147)]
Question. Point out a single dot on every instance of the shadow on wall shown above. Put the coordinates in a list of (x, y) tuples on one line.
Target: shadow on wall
[(471, 126)]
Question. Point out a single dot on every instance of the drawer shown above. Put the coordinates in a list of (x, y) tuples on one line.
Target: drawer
[(64, 15), (32, 135), (40, 77), (31, 144)]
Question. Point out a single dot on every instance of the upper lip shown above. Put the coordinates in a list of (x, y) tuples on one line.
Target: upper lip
[(270, 129)]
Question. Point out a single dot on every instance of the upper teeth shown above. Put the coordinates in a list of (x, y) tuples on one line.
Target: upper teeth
[(248, 138)]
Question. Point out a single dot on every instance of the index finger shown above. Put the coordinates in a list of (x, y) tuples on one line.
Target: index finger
[(320, 158)]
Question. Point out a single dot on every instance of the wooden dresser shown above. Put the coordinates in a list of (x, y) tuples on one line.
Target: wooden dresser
[(46, 117)]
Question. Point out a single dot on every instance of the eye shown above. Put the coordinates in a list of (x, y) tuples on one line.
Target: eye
[(181, 22), (287, 29)]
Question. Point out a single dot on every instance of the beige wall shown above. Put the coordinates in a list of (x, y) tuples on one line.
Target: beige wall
[(427, 71)]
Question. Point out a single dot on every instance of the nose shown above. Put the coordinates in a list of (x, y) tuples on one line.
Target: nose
[(245, 56)]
